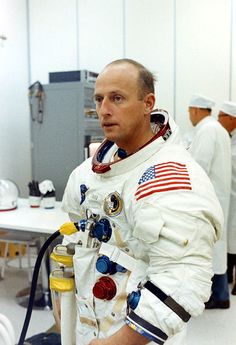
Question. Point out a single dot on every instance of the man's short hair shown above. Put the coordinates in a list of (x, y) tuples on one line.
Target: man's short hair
[(146, 79)]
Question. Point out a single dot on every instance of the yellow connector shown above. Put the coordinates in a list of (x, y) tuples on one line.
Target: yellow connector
[(61, 255), (68, 228), (62, 259), (61, 281)]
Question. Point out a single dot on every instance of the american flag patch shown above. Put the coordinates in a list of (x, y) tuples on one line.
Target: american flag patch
[(162, 178)]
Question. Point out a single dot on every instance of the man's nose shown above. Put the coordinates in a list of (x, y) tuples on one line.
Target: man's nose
[(105, 107)]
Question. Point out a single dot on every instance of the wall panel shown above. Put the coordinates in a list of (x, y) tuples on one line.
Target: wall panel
[(149, 40), (202, 53), (14, 120), (100, 34), (53, 37), (233, 61)]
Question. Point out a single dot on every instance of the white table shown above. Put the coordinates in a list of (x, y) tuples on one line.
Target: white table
[(34, 220), (38, 222)]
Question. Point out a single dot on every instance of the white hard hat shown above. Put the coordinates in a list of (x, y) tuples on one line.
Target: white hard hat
[(229, 108), (199, 101), (9, 193)]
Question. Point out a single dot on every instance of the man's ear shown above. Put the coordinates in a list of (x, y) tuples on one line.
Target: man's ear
[(149, 101)]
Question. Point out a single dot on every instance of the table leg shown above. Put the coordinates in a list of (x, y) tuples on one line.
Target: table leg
[(42, 299)]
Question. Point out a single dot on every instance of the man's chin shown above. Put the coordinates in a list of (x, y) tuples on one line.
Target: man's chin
[(109, 136), (111, 139)]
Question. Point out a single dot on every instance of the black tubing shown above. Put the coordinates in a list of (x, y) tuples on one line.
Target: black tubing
[(34, 285)]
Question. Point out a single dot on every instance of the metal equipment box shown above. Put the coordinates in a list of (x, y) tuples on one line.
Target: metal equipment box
[(82, 75), (61, 135)]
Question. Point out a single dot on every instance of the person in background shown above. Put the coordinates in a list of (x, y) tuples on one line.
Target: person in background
[(227, 117), (210, 147), (147, 217)]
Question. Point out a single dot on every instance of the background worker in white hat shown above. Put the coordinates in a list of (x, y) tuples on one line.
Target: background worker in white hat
[(211, 149), (227, 117)]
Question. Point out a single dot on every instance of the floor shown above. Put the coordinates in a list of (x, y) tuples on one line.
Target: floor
[(16, 280), (213, 327)]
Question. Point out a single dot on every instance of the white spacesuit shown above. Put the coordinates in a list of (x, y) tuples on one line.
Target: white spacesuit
[(147, 228)]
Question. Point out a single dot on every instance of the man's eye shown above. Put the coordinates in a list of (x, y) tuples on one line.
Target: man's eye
[(98, 99), (117, 98)]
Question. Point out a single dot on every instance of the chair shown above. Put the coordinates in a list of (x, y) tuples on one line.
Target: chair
[(24, 242)]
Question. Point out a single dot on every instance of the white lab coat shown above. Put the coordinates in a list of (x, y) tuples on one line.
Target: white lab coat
[(232, 208), (211, 149), (169, 233)]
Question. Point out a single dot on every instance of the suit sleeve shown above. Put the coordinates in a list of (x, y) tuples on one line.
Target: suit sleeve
[(179, 247)]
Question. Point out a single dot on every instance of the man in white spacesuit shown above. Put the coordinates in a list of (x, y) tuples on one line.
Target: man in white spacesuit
[(227, 117), (148, 218), (210, 147)]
